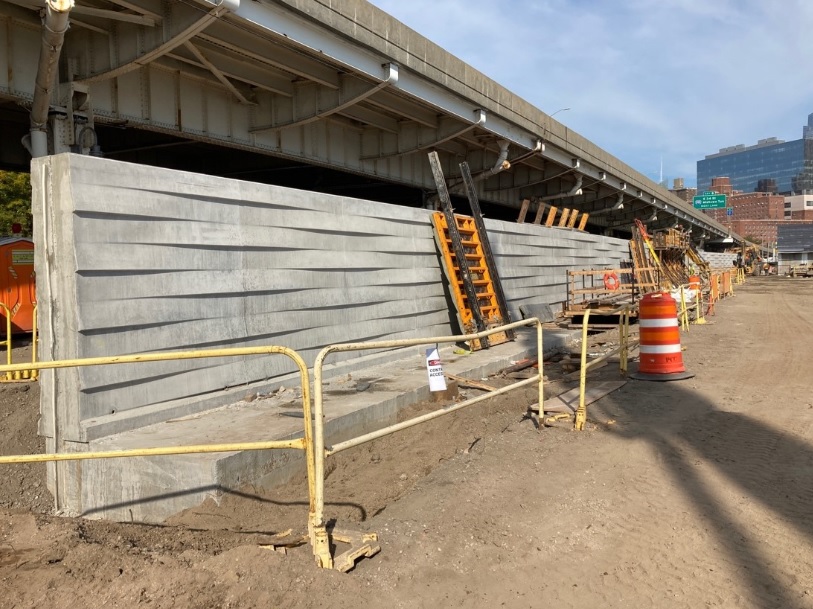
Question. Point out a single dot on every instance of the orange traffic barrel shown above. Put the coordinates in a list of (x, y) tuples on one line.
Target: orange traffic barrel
[(694, 283), (661, 357)]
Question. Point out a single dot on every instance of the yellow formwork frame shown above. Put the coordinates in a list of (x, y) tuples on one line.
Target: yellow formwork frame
[(622, 349), (317, 526), (305, 443)]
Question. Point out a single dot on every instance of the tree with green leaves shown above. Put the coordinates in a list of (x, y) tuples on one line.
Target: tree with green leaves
[(15, 202)]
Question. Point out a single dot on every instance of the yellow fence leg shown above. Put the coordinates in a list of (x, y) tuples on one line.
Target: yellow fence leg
[(623, 337), (581, 413)]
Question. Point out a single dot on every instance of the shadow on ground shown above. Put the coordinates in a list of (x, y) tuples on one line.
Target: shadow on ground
[(770, 467)]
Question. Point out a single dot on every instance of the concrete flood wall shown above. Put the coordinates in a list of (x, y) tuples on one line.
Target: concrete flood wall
[(132, 259), (718, 260), (533, 261)]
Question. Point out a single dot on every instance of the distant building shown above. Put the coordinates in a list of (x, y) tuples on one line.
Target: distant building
[(756, 215), (794, 245), (799, 207), (679, 189), (721, 185), (771, 165)]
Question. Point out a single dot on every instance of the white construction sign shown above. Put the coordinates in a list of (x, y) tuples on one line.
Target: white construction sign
[(437, 382)]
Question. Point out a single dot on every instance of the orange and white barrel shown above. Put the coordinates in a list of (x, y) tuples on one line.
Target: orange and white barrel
[(694, 283), (661, 356)]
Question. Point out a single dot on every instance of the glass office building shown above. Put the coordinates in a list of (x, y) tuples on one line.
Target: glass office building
[(771, 165)]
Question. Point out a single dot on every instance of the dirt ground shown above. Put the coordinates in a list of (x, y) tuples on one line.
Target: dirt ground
[(695, 493)]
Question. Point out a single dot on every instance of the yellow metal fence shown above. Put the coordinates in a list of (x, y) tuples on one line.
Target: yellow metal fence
[(313, 440), (319, 534), (305, 443)]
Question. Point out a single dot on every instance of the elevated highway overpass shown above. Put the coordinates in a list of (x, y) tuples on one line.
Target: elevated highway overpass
[(338, 97)]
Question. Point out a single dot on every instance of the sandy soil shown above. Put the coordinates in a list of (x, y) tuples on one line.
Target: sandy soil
[(689, 494)]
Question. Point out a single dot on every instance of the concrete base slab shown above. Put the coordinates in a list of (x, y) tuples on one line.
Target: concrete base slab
[(152, 489)]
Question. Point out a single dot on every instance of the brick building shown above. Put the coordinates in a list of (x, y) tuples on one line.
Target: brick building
[(750, 206), (763, 231), (680, 190), (722, 185), (756, 215), (799, 207)]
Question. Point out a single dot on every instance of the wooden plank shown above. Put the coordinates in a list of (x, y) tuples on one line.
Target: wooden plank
[(539, 211), (523, 211), (563, 219), (464, 382), (598, 271), (572, 222), (583, 221), (526, 363), (551, 216), (568, 402)]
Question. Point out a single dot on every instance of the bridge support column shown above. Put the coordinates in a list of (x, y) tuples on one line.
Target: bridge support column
[(54, 26)]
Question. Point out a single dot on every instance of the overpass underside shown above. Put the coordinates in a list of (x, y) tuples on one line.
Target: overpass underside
[(345, 100)]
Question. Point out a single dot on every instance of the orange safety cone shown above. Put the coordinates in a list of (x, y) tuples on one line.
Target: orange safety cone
[(661, 356)]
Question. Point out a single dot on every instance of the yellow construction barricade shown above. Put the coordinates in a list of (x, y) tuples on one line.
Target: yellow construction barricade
[(366, 545)]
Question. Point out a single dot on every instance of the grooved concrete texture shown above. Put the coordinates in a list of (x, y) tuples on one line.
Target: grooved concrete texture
[(134, 259), (718, 260)]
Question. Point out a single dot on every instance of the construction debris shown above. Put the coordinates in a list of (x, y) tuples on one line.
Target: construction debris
[(470, 383)]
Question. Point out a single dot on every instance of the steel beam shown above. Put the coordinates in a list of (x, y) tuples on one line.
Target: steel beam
[(354, 93), (442, 135), (175, 41)]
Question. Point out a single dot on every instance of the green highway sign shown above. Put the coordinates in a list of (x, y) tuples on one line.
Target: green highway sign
[(709, 200)]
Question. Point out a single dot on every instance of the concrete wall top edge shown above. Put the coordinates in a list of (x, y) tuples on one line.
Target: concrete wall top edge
[(117, 175)]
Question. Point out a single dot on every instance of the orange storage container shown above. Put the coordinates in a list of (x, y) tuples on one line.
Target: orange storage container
[(17, 283)]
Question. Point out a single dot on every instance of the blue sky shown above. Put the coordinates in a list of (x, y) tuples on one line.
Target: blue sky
[(644, 79)]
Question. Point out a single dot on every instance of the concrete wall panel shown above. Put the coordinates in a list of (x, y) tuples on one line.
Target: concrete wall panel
[(533, 260), (136, 259)]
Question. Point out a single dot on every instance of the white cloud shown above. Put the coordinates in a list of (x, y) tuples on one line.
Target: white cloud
[(644, 79)]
